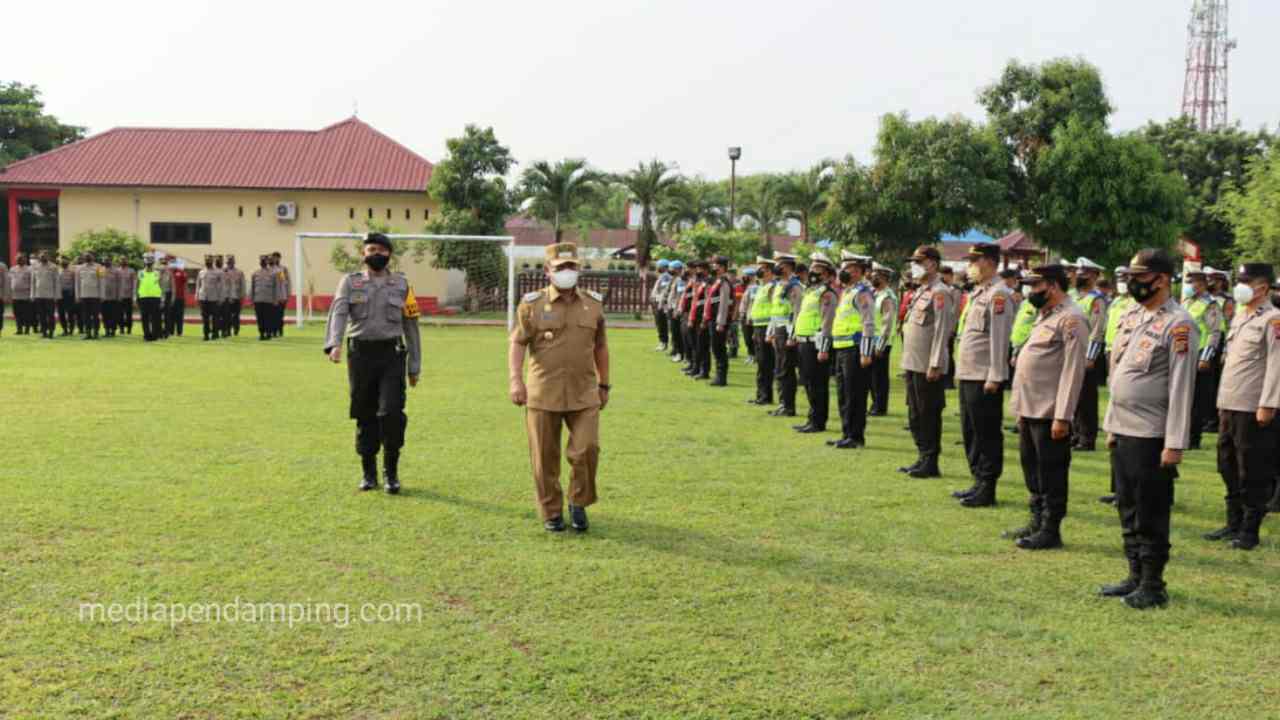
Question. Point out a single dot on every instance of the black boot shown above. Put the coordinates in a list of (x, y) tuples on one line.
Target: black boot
[(1047, 534), (1150, 592), (912, 467), (369, 463), (928, 468), (1247, 538), (984, 496), (962, 494), (1274, 505), (1235, 513), (1129, 584), (390, 468)]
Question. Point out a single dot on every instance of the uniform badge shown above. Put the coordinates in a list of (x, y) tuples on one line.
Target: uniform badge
[(1275, 328), (548, 335), (1071, 327), (998, 304), (410, 304), (357, 282), (1181, 339), (358, 296), (1158, 326), (940, 301)]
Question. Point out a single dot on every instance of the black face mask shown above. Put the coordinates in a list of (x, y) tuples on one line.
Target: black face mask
[(262, 263), (1275, 299), (845, 277), (1038, 299), (377, 262), (1142, 291), (1082, 283), (814, 278)]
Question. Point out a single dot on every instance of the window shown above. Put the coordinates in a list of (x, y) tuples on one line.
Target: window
[(240, 210), (351, 213), (406, 214), (315, 212), (388, 213), (370, 213), (426, 214), (259, 211), (181, 233)]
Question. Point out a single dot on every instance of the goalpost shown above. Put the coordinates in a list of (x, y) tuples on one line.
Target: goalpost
[(508, 242)]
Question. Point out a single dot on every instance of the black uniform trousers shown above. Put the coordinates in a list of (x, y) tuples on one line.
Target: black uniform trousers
[(1144, 497), (925, 403), (233, 317), (1046, 465), (109, 317), (853, 382), (981, 428), (376, 378), (126, 315), (702, 333), (150, 309), (1247, 459), (44, 316), (720, 350), (880, 382), (749, 339), (68, 313), (175, 310), (731, 338), (209, 318), (690, 344), (674, 331), (90, 315), (785, 360), (660, 320), (1084, 427), (817, 383), (22, 315), (1204, 402), (764, 366), (1, 314), (262, 314)]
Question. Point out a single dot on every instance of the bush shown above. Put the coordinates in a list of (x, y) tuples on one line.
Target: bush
[(111, 243)]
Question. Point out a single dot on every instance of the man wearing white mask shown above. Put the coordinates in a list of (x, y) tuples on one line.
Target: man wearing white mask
[(561, 329), (925, 355)]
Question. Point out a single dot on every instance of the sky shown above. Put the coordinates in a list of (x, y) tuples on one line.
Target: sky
[(614, 81)]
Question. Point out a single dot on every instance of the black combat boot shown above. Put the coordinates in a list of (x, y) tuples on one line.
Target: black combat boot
[(369, 463), (985, 496), (928, 468), (1151, 592), (1247, 538), (1129, 584), (1235, 514), (390, 468), (1274, 505), (578, 518), (962, 494), (1048, 537)]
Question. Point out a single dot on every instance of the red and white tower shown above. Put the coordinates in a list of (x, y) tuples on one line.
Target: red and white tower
[(1204, 92)]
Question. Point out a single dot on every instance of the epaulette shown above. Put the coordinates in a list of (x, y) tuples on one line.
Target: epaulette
[(598, 297), (530, 297)]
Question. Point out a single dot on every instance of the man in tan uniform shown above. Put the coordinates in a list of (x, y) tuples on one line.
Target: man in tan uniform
[(926, 354), (561, 328), (1046, 390)]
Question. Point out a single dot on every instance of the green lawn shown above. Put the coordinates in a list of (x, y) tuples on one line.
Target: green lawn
[(734, 568)]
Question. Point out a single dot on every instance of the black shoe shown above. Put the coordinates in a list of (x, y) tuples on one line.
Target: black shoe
[(925, 470), (909, 468), (702, 376), (980, 499), (1145, 599), (578, 517), (962, 494), (369, 483), (834, 442), (1107, 499), (754, 401), (555, 524), (802, 428), (1046, 539), (1084, 447), (718, 383), (1245, 541), (1223, 533), (1121, 589), (810, 429), (849, 444)]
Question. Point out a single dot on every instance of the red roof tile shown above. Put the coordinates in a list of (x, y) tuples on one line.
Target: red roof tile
[(350, 155)]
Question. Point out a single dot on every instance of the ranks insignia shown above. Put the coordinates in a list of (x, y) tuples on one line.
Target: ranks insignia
[(1181, 339), (410, 304), (997, 304), (940, 301)]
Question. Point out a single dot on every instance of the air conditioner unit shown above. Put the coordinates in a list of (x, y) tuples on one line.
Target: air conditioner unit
[(286, 211)]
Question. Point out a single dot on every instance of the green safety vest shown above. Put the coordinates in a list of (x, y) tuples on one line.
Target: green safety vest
[(762, 304), (1198, 306), (881, 328), (1023, 323), (779, 301), (149, 284), (1114, 313), (848, 322), (809, 320)]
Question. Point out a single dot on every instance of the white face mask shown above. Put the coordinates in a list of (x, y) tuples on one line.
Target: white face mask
[(564, 279), (1243, 294), (1188, 290), (917, 271), (1122, 288)]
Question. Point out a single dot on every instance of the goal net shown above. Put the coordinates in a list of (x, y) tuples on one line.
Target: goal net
[(451, 275)]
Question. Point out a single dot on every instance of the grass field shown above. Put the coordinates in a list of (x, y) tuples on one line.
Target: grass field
[(733, 569)]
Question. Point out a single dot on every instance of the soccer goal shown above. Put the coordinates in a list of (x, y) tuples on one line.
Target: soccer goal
[(474, 275)]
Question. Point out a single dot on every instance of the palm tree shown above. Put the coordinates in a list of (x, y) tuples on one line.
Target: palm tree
[(649, 185), (806, 194), (553, 191), (764, 202)]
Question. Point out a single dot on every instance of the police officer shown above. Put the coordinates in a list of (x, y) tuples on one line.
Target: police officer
[(209, 295), (90, 278), (1152, 373), (926, 355), (675, 313), (375, 313), (785, 302), (982, 367), (1248, 398), (1094, 305), (886, 301), (150, 297), (854, 335), (761, 312), (284, 287), (1046, 389), (127, 281), (812, 332), (20, 294), (4, 292), (717, 316), (233, 289), (695, 325), (68, 312), (660, 287), (562, 330), (1207, 315), (263, 293), (742, 310), (46, 288)]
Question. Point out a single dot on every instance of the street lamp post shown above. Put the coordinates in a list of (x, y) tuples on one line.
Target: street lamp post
[(734, 154)]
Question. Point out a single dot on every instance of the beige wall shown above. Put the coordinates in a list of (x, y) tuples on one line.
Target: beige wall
[(249, 236)]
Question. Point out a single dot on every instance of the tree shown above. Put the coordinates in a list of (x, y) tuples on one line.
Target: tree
[(555, 191), (25, 129), (474, 200), (109, 243), (348, 256), (1211, 162), (1253, 212), (648, 185), (691, 202), (764, 204), (806, 194), (606, 208), (703, 241)]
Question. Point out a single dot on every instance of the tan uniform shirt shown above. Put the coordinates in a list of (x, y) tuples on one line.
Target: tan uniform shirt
[(20, 282), (233, 285), (1153, 371), (263, 289), (722, 299), (166, 281), (46, 281), (1050, 367), (282, 283), (209, 285), (67, 279), (375, 308), (89, 281), (128, 279), (927, 329), (562, 331), (983, 354), (1251, 370)]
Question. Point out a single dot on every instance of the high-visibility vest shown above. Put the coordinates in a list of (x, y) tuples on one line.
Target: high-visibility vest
[(809, 320), (1198, 306), (1117, 310), (149, 284), (847, 322), (779, 301), (883, 329), (1023, 323), (762, 304)]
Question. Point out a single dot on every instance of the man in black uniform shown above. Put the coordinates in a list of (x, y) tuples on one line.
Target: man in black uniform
[(382, 315)]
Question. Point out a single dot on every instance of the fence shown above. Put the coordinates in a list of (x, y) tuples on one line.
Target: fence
[(622, 291)]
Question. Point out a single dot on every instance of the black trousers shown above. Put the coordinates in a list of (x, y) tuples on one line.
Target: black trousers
[(1247, 458), (1203, 404), (151, 326), (44, 316), (764, 367), (261, 313), (731, 338), (925, 403), (853, 382), (209, 318), (660, 321), (785, 360), (22, 314), (109, 316), (674, 332), (719, 350), (1144, 496), (376, 379), (69, 313), (880, 382), (1085, 425), (90, 315), (981, 428), (817, 384), (1046, 464), (1, 314), (174, 316), (126, 315), (278, 326), (749, 339), (702, 333)]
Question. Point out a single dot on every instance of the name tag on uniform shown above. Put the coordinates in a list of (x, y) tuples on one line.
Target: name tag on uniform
[(359, 296), (1044, 335)]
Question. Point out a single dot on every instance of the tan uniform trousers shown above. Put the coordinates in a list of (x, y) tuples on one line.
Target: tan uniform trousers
[(544, 454)]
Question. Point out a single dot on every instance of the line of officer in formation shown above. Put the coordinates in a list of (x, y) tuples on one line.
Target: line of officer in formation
[(1052, 349)]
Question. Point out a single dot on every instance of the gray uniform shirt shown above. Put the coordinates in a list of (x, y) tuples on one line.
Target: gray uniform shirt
[(110, 281), (722, 298), (264, 286), (20, 282), (372, 308), (1153, 371), (1050, 366), (1251, 369), (46, 282), (927, 329), (233, 285), (983, 354), (659, 291), (127, 277), (209, 285), (67, 280), (89, 278)]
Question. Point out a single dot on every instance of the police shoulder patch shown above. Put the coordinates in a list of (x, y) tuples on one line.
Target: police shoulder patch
[(940, 301), (410, 303), (1275, 328), (1181, 334), (595, 295), (997, 304), (531, 297)]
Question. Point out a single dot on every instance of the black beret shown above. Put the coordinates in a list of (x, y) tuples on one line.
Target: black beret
[(1053, 273), (1152, 260), (1008, 273), (1250, 271), (378, 239), (984, 250)]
